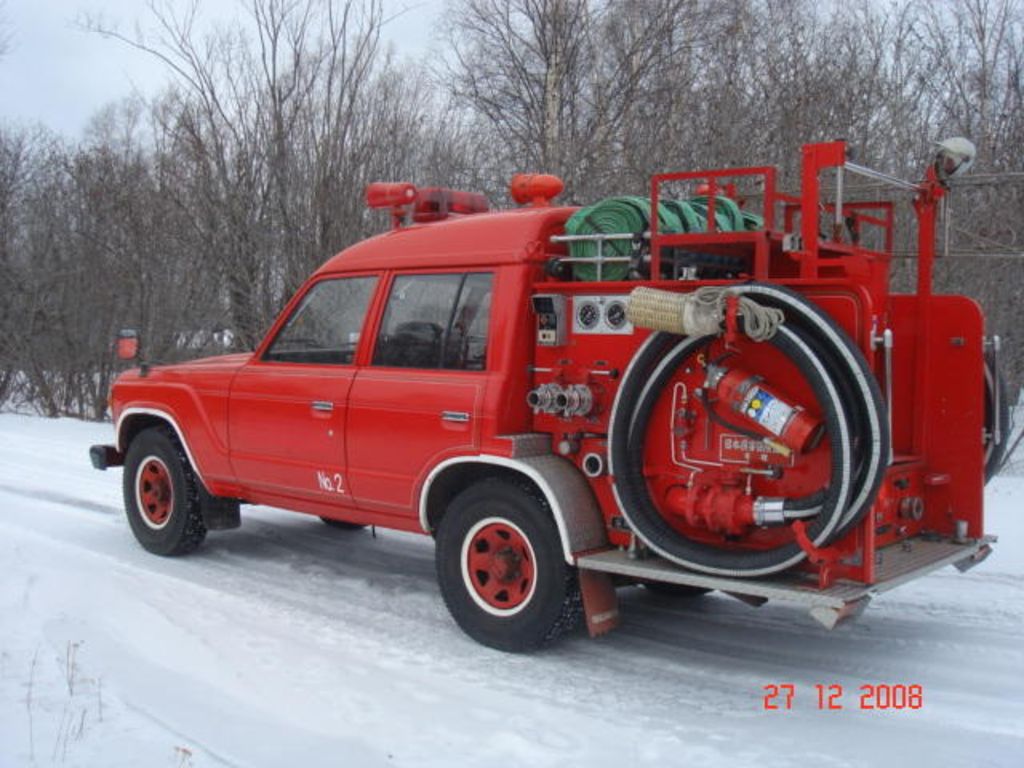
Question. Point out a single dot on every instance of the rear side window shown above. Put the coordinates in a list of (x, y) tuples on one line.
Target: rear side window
[(466, 345), (325, 327), (436, 321)]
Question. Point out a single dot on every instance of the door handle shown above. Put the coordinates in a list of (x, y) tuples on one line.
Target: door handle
[(323, 406), (459, 417)]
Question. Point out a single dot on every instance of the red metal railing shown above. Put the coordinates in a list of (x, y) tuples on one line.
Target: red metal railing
[(713, 178)]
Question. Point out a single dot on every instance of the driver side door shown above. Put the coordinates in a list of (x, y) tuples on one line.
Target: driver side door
[(287, 408)]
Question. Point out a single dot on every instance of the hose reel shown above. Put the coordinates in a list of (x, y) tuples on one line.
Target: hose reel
[(609, 238), (846, 394)]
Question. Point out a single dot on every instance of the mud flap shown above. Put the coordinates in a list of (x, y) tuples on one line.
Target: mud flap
[(829, 616), (969, 562), (219, 513), (600, 603)]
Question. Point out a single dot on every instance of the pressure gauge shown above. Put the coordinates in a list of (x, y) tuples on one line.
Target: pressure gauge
[(588, 315), (615, 315), (600, 315)]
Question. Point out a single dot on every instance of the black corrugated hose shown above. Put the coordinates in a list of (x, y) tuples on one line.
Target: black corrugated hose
[(850, 402)]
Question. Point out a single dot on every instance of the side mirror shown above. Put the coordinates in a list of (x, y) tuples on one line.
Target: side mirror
[(128, 344)]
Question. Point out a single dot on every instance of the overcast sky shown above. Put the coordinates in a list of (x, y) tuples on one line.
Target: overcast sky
[(59, 75)]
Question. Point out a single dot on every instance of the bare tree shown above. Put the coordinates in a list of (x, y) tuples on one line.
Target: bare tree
[(974, 48), (560, 83), (14, 161), (193, 216), (268, 124), (975, 51)]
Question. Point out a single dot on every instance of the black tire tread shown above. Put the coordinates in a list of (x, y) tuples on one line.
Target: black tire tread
[(567, 616), (997, 458), (572, 606), (193, 532)]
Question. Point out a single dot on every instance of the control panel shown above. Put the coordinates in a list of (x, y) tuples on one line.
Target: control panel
[(600, 315), (550, 311)]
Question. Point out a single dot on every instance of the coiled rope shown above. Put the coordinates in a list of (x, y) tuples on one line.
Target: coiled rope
[(700, 312)]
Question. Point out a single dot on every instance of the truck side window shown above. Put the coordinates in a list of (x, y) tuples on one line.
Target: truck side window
[(436, 321), (466, 345), (325, 326)]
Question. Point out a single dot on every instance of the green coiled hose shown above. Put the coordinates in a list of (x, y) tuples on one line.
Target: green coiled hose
[(614, 215), (632, 215), (728, 214)]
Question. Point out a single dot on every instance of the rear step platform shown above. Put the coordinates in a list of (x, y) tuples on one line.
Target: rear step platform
[(898, 564)]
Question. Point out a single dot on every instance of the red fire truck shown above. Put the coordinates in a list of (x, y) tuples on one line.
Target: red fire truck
[(710, 388)]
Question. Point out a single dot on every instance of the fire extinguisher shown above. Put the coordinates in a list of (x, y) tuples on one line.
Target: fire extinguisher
[(761, 405)]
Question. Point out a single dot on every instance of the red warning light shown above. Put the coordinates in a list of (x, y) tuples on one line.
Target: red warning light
[(381, 194), (537, 189)]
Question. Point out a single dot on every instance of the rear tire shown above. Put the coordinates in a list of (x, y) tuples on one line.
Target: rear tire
[(501, 568), (161, 494), (995, 455)]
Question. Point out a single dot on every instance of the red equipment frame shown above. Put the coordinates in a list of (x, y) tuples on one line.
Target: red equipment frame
[(937, 454), (392, 445)]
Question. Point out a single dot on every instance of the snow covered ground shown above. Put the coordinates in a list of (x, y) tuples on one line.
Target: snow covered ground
[(289, 643)]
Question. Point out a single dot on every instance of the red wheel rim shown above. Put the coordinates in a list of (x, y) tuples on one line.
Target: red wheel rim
[(499, 566), (154, 491)]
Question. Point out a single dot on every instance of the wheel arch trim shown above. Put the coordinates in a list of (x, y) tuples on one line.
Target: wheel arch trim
[(165, 416), (568, 494)]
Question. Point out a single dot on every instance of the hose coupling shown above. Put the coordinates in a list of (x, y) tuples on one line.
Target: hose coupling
[(579, 400), (769, 510), (572, 401), (545, 398)]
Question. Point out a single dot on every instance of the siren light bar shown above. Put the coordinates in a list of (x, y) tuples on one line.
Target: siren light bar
[(430, 204)]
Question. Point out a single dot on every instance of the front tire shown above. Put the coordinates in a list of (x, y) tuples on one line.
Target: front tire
[(161, 494), (501, 568)]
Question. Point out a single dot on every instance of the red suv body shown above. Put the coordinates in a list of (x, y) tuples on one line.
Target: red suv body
[(456, 379)]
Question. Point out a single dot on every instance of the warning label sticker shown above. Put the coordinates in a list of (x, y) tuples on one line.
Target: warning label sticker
[(739, 449), (767, 410)]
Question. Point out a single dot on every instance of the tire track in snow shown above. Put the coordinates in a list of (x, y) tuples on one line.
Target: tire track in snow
[(59, 498), (678, 679), (696, 654)]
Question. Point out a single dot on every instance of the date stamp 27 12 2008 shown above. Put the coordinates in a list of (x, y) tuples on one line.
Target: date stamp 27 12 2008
[(832, 696)]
